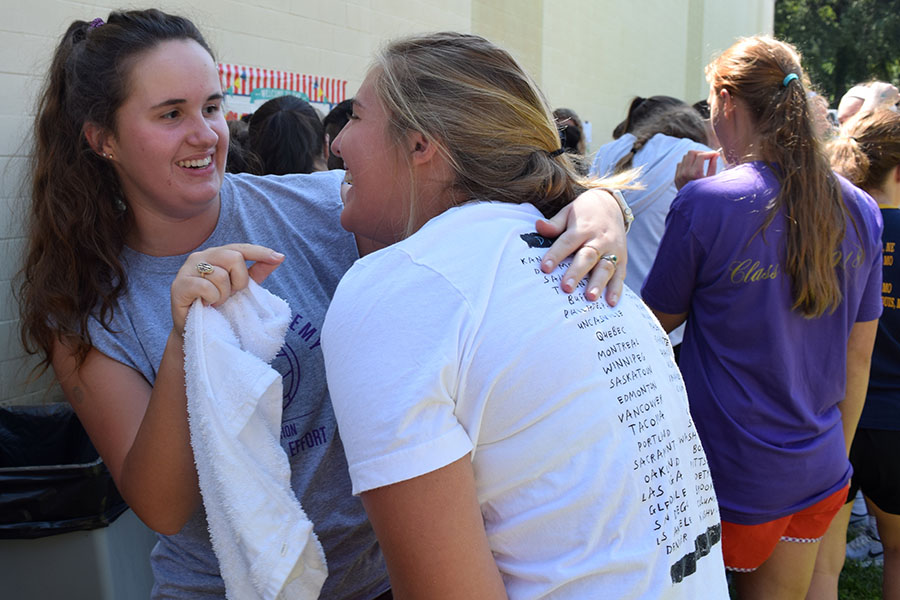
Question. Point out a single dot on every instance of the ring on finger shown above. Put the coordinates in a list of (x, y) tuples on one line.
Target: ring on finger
[(612, 258), (204, 268)]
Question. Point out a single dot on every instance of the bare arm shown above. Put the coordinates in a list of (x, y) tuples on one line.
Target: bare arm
[(432, 534), (141, 432), (669, 321), (859, 359)]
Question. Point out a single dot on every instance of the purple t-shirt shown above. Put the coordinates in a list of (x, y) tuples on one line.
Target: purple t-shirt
[(763, 382)]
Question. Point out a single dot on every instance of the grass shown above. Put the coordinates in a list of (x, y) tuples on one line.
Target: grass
[(859, 582)]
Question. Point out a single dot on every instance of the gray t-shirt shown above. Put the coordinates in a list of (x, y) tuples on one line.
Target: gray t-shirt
[(297, 215)]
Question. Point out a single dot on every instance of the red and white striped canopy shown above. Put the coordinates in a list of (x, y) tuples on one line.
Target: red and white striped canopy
[(241, 80)]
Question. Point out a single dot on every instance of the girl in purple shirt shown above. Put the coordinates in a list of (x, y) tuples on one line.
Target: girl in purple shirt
[(775, 264)]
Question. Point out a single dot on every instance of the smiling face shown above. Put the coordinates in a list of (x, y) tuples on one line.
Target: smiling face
[(377, 187), (171, 139)]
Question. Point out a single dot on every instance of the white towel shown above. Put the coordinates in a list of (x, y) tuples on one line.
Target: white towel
[(264, 542)]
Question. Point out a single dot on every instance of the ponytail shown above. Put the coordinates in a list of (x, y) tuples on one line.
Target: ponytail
[(766, 75), (848, 159), (868, 149)]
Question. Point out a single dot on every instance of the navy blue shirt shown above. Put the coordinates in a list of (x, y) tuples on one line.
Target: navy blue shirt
[(882, 409)]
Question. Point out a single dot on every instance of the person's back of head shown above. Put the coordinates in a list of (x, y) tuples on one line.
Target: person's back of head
[(334, 121), (765, 76), (240, 158), (643, 108), (239, 131), (868, 97), (852, 101), (451, 88), (287, 136), (702, 108), (571, 130), (677, 121), (867, 149)]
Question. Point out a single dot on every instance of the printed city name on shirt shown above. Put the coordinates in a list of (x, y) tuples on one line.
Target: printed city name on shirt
[(678, 497)]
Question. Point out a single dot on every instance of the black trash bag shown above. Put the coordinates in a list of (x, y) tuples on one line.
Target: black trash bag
[(51, 478)]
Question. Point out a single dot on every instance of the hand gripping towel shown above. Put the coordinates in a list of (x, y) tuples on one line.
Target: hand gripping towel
[(264, 542)]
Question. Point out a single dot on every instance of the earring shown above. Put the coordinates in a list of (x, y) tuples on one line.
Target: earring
[(107, 156)]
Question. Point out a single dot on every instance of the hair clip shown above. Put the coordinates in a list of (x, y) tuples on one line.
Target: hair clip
[(96, 23)]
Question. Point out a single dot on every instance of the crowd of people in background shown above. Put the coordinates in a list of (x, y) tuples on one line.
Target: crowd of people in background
[(862, 140), (285, 135), (508, 430)]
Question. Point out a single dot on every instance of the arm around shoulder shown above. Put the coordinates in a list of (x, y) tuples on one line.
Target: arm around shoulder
[(590, 228), (669, 321)]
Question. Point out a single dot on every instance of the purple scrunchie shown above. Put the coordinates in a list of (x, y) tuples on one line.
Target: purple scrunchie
[(96, 23)]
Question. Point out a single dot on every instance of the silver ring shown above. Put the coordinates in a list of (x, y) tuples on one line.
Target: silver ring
[(204, 268), (611, 258)]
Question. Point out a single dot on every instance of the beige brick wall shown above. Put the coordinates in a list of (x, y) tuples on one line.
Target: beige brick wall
[(517, 25), (589, 55), (597, 56), (335, 38)]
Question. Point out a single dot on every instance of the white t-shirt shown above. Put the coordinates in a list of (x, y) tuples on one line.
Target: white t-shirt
[(590, 476)]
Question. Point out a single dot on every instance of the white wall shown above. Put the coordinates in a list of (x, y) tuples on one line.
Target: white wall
[(590, 55), (597, 56)]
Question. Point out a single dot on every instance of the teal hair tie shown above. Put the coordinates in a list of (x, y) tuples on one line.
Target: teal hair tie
[(789, 78)]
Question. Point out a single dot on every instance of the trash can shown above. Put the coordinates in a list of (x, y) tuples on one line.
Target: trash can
[(60, 532)]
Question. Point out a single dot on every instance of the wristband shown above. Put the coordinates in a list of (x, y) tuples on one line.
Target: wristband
[(627, 214)]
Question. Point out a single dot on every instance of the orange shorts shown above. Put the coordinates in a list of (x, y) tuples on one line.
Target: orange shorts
[(746, 547)]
